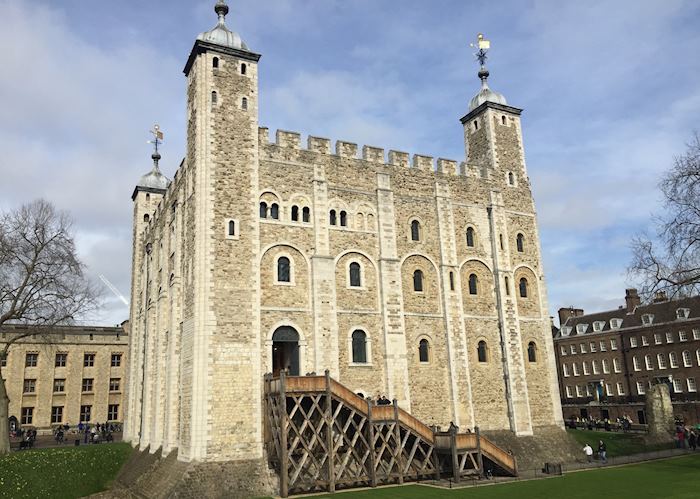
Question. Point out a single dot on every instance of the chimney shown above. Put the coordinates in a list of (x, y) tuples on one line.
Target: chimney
[(632, 299), (660, 296), (565, 313)]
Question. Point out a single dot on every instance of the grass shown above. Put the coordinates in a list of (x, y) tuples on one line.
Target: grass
[(617, 444), (670, 478), (63, 472)]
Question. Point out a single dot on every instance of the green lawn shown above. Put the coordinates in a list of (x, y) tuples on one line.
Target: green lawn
[(618, 444), (64, 472), (669, 479)]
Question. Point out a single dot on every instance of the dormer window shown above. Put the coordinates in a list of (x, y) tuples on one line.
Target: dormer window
[(647, 319), (682, 313), (566, 330), (581, 328), (598, 326), (615, 323)]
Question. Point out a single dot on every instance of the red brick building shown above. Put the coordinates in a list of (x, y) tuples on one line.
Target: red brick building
[(606, 361)]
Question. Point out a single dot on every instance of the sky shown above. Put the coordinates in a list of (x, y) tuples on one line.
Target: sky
[(609, 90)]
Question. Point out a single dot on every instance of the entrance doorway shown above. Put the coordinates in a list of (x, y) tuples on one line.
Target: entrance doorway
[(285, 351)]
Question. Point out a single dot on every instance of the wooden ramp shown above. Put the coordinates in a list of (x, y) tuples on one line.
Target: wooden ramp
[(320, 436)]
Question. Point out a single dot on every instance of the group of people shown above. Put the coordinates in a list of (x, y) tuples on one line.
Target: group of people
[(27, 438), (624, 423), (602, 452), (686, 438)]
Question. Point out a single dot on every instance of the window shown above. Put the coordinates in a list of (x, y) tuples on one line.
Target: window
[(583, 348), (588, 390), (594, 365), (687, 359), (620, 389), (473, 284), (615, 323), (452, 281), (418, 280), (603, 346), (503, 120), (231, 228), (648, 363), (263, 209), (57, 414), (532, 352), (697, 356), (306, 214), (581, 328), (116, 360), (31, 360), (415, 230), (669, 337), (593, 347), (89, 360), (61, 359), (633, 342), (647, 319), (423, 351), (470, 237), (87, 384), (641, 389), (606, 366), (295, 213), (214, 99), (244, 103), (59, 385), (519, 243), (682, 336), (661, 359), (682, 313), (482, 351), (85, 412), (343, 219), (283, 269), (673, 360), (332, 218), (586, 371), (476, 125), (677, 386), (511, 178), (562, 349), (598, 326), (575, 369), (568, 392), (608, 390), (359, 347), (114, 384), (572, 349), (692, 387), (355, 275), (696, 334), (645, 341), (635, 363), (565, 370), (613, 344), (579, 392), (616, 365), (3, 362), (29, 386), (507, 285), (27, 415), (215, 62), (523, 287), (275, 211), (146, 217), (244, 68), (112, 412)]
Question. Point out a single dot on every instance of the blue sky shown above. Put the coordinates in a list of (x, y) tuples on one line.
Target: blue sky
[(609, 90)]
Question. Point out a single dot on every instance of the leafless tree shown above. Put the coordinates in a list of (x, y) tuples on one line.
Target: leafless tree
[(42, 282), (670, 262)]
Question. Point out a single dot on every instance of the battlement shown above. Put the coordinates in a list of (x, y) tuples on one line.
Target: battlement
[(371, 154)]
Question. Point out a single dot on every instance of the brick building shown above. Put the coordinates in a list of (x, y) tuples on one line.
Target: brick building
[(607, 360), (67, 374)]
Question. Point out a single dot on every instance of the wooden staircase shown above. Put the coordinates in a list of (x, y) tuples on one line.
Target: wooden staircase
[(320, 436)]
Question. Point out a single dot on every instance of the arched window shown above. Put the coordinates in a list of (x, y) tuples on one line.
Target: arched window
[(332, 218), (214, 98), (343, 219), (470, 237), (146, 217), (295, 213), (519, 242), (503, 120), (418, 280), (507, 281), (275, 211), (231, 228), (482, 351), (283, 269), (243, 68), (215, 62), (263, 209), (424, 350), (473, 284), (359, 347), (355, 275), (452, 281), (523, 287), (244, 103), (511, 178), (673, 359), (532, 352), (306, 214), (687, 359), (415, 230), (500, 240)]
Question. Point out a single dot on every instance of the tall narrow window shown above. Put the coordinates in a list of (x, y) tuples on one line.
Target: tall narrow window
[(520, 243), (532, 352), (452, 281), (263, 209), (500, 240), (332, 218), (306, 214), (355, 275), (295, 213), (418, 280), (503, 120), (470, 237), (415, 230), (423, 350), (215, 62), (359, 347), (214, 98), (231, 228), (244, 103), (244, 68), (507, 281), (275, 211), (473, 284), (511, 178), (283, 269), (343, 219), (523, 287), (481, 351)]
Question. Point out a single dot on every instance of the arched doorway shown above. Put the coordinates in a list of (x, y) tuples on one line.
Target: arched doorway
[(13, 424), (285, 351)]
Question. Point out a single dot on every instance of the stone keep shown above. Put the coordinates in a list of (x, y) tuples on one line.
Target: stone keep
[(207, 299)]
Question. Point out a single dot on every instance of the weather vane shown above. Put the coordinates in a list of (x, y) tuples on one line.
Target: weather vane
[(157, 137), (483, 45)]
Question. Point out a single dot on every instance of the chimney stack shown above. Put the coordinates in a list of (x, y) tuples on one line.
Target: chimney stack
[(565, 313), (660, 296), (632, 299)]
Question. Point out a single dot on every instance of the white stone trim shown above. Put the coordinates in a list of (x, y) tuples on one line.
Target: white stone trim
[(236, 228), (275, 269)]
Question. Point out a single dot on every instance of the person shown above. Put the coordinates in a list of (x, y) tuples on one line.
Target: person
[(692, 440), (602, 452), (588, 450)]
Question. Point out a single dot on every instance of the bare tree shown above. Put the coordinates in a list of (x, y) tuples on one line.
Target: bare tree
[(670, 262), (42, 281)]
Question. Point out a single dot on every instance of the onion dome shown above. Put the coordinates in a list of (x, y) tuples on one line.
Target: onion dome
[(154, 179), (220, 34), (485, 94)]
